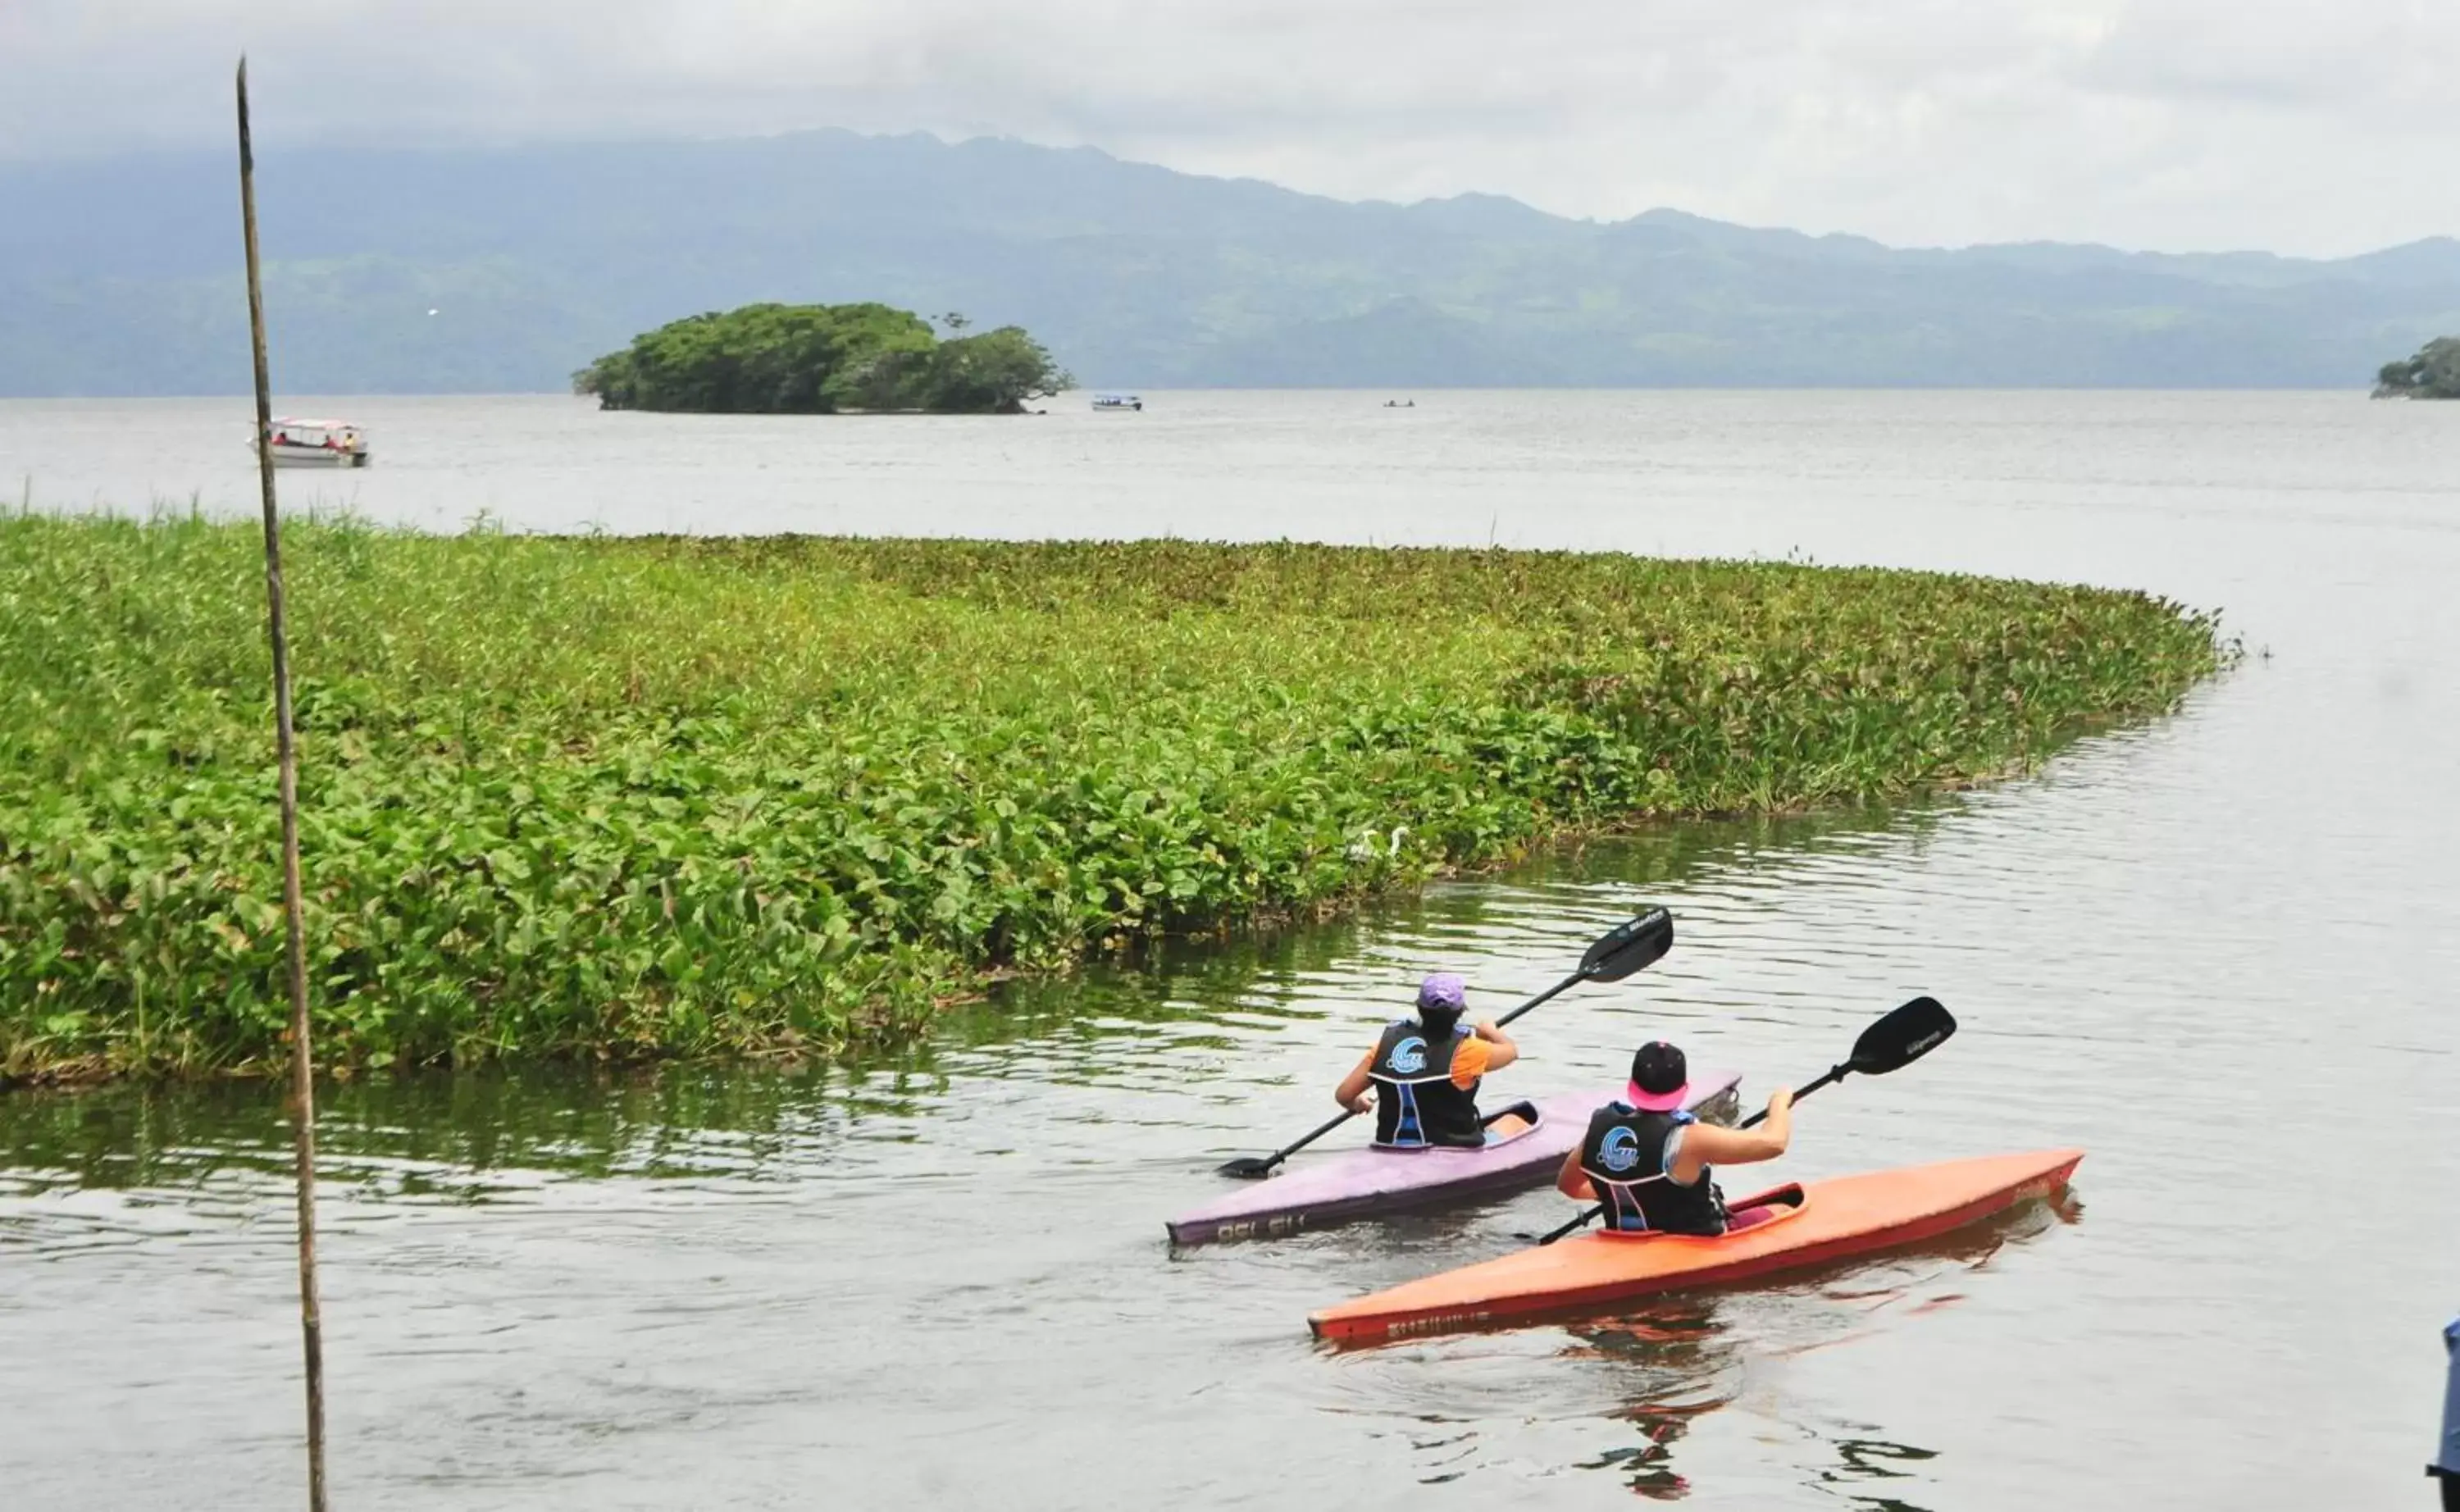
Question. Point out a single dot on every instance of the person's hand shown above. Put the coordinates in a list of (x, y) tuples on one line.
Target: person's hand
[(1364, 1102), (1779, 1100), (1486, 1028)]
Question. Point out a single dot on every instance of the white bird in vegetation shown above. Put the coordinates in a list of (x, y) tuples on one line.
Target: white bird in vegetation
[(1363, 848)]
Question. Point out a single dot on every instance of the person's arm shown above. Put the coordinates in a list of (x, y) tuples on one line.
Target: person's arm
[(1707, 1145), (1573, 1181), (1500, 1050), (1352, 1091)]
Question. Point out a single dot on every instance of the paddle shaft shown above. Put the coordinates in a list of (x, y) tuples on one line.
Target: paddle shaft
[(1829, 1077), (1318, 1133), (1565, 986), (1834, 1074)]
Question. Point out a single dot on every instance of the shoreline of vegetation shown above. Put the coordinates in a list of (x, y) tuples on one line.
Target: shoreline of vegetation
[(824, 359), (2432, 374), (625, 797)]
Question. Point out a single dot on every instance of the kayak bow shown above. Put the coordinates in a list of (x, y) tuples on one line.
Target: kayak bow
[(1525, 1143), (1813, 1225)]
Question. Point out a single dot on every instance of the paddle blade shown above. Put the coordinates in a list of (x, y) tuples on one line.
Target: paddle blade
[(1633, 943), (1249, 1168), (1904, 1036)]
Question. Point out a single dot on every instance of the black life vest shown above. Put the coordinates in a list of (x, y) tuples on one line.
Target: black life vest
[(1624, 1158), (1416, 1105)]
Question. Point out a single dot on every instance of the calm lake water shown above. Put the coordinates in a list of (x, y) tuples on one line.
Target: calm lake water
[(2219, 951)]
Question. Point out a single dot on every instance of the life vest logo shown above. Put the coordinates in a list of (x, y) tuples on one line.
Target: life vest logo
[(1620, 1150), (1409, 1057)]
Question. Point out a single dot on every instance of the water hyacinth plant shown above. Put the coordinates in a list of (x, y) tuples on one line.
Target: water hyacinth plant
[(619, 796)]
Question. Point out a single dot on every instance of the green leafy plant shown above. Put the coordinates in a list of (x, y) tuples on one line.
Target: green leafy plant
[(621, 797)]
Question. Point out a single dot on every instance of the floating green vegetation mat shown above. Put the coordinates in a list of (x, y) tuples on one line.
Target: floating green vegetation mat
[(626, 796)]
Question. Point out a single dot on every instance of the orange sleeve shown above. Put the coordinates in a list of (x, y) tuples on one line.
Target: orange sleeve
[(1468, 1062)]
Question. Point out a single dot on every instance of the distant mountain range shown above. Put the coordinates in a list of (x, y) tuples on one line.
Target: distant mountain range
[(120, 276)]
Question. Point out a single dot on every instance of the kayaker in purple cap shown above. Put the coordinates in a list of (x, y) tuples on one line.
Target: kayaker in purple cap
[(1649, 1163), (1426, 1070)]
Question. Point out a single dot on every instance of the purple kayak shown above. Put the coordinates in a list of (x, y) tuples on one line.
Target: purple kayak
[(1525, 1142)]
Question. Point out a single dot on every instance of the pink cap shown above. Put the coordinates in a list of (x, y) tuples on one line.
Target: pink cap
[(1657, 1064), (1657, 1101)]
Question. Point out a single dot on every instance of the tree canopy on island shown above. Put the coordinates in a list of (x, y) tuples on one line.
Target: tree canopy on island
[(823, 359), (2433, 373)]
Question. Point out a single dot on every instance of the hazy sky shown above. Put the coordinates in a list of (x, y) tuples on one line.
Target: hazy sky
[(2318, 126)]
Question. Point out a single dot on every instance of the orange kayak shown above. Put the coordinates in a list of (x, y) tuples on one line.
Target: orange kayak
[(1808, 1226)]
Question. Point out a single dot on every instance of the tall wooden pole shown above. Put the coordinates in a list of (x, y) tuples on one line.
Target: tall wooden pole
[(302, 1058)]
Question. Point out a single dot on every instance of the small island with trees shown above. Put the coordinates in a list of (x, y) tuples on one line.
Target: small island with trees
[(823, 359), (2433, 373)]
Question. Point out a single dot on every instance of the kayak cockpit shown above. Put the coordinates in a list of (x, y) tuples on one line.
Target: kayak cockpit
[(1749, 1216), (1501, 1128), (1511, 1123)]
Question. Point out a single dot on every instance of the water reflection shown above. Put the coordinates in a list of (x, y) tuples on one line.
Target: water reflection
[(1680, 1359), (1876, 1459), (1677, 1363)]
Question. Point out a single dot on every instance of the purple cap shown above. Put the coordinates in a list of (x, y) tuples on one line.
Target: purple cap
[(1443, 990)]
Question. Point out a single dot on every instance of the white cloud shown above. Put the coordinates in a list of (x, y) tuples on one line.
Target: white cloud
[(2293, 124)]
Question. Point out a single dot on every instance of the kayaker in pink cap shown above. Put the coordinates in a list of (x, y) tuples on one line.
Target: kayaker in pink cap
[(1649, 1163), (1425, 1072)]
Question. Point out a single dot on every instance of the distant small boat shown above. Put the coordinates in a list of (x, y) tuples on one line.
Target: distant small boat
[(1117, 401), (296, 443), (1400, 404)]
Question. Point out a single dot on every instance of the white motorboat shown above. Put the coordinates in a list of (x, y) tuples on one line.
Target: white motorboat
[(297, 443), (1117, 401)]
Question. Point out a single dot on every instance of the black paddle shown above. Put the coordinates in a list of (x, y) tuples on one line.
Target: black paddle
[(1628, 947), (1904, 1035)]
